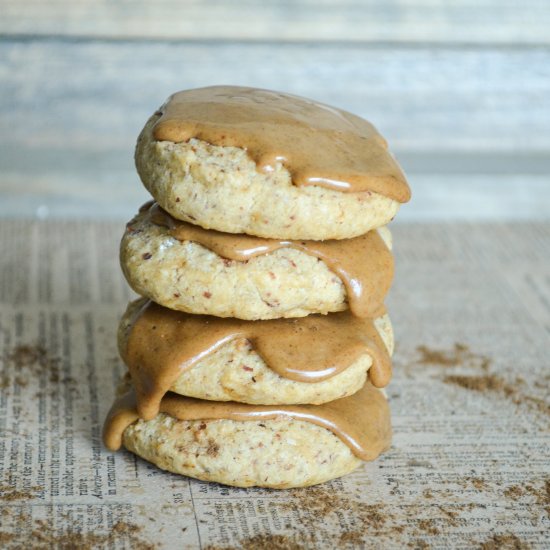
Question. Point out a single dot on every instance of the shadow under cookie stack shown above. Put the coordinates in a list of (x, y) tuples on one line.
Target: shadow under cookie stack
[(259, 349)]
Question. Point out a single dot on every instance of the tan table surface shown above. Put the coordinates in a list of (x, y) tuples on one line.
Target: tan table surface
[(469, 466)]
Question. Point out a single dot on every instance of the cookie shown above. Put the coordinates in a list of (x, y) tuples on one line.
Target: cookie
[(236, 372), (246, 445), (241, 160), (190, 269)]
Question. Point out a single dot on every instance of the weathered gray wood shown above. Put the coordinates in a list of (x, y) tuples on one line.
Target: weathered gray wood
[(464, 21), (93, 98), (470, 126)]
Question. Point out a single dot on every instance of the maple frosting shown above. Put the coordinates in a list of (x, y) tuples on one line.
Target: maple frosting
[(364, 264), (163, 343), (361, 421), (318, 144)]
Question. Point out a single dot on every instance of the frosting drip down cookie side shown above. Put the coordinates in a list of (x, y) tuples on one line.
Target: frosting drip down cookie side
[(162, 344), (364, 264), (244, 160), (237, 372), (361, 421), (320, 145)]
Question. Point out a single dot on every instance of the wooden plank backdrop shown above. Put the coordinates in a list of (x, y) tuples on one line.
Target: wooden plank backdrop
[(460, 89), (439, 21)]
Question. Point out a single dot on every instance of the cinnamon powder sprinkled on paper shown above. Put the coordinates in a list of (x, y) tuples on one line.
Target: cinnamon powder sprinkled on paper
[(494, 383), (488, 382), (26, 361), (460, 355), (541, 493), (353, 538), (504, 542), (418, 544), (317, 506), (428, 526), (371, 519), (270, 542), (43, 535), (513, 492), (265, 542), (478, 483), (6, 537), (320, 503), (9, 494)]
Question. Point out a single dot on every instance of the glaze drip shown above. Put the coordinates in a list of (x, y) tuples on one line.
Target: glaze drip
[(361, 421), (319, 145), (162, 344), (364, 264)]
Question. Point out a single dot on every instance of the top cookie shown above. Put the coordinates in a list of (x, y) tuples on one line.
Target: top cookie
[(243, 160)]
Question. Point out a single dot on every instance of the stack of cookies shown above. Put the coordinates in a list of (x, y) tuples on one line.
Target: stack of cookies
[(259, 349)]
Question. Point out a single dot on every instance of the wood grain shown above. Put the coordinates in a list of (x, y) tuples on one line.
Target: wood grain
[(460, 89), (411, 21), (93, 97)]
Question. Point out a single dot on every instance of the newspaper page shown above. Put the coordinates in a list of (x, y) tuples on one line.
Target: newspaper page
[(470, 461)]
